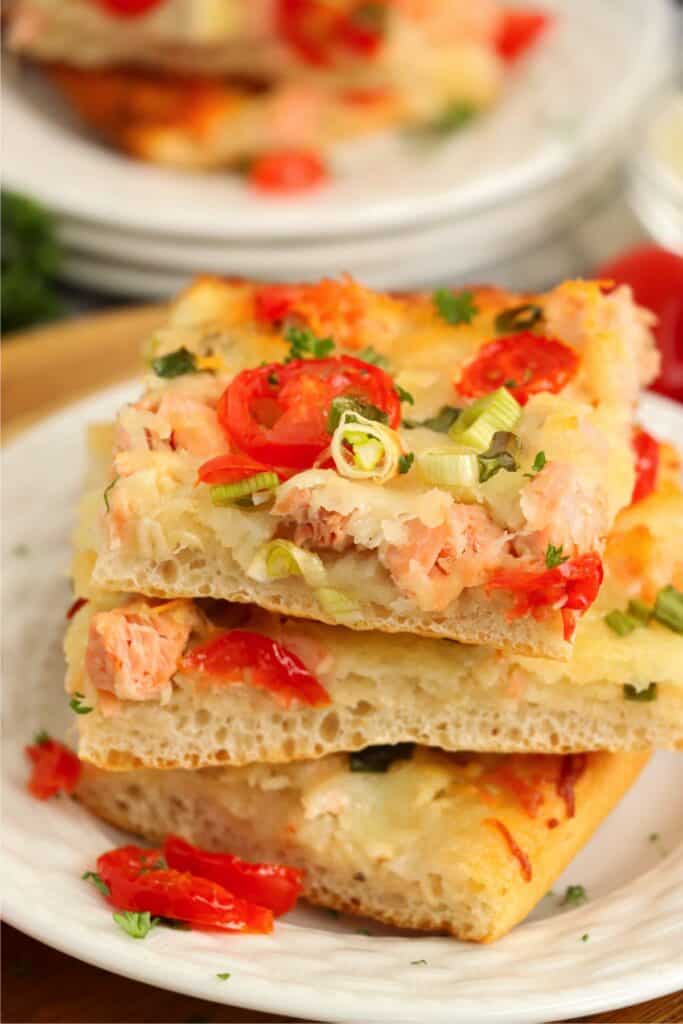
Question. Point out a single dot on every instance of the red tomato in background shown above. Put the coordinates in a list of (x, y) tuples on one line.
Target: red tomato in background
[(128, 8), (287, 171), (520, 28), (656, 277)]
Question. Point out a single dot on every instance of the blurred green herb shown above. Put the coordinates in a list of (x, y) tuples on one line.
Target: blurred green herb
[(30, 259)]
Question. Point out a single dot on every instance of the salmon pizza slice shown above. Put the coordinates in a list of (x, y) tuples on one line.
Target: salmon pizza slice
[(445, 464), (207, 83), (465, 844), (188, 684)]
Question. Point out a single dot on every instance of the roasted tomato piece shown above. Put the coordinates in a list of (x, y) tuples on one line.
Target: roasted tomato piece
[(318, 31), (519, 30), (55, 768), (524, 363), (288, 170), (138, 880), (274, 302), (571, 587), (278, 413), (128, 8), (229, 469), (647, 463), (269, 885), (271, 666)]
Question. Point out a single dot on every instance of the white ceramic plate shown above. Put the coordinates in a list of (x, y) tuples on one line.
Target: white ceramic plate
[(576, 94), (312, 966)]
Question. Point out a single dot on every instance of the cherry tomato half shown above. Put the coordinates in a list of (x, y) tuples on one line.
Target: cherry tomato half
[(288, 170), (269, 885), (55, 769), (278, 413), (656, 277), (519, 30), (272, 667), (136, 882), (128, 8), (524, 363), (647, 463)]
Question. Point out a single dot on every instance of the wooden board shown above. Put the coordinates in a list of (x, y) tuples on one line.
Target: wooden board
[(43, 370)]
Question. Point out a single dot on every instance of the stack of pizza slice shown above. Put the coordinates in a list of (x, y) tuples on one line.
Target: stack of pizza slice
[(212, 83), (383, 587)]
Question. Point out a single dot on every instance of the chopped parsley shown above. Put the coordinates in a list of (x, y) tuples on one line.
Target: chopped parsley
[(585, 937), (621, 623), (380, 757), (76, 704), (97, 881), (273, 380), (441, 423), (223, 976), (537, 465), (372, 356), (344, 403), (405, 462), (417, 963), (574, 896), (404, 396), (554, 556), (669, 608), (455, 308), (303, 342), (107, 489), (136, 924), (644, 696), (518, 318), (175, 364), (454, 117), (41, 737)]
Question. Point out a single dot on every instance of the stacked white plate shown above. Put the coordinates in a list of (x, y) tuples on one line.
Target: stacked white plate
[(536, 179)]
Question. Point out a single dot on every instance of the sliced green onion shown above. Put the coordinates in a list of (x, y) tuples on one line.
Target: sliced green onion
[(498, 455), (478, 422), (518, 318), (445, 467), (638, 609), (175, 364), (441, 423), (621, 623), (343, 404), (281, 558), (338, 605), (645, 696), (669, 608), (228, 494), (363, 449)]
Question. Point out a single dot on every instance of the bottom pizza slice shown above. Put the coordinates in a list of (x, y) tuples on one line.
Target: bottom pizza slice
[(460, 843)]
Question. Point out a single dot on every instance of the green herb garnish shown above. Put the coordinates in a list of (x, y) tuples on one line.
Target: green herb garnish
[(107, 489), (441, 423), (223, 976), (273, 380), (417, 963), (343, 403), (455, 308), (621, 623), (669, 608), (97, 881), (175, 364), (497, 456), (405, 462), (303, 342), (31, 257), (644, 696), (585, 937), (76, 704), (518, 318), (370, 355), (379, 758), (455, 116), (537, 465), (41, 737), (574, 896), (554, 556), (404, 396), (136, 924)]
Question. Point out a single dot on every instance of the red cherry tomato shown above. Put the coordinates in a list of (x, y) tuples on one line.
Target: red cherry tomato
[(228, 469), (269, 885), (55, 769), (308, 27), (271, 666), (362, 29), (128, 8), (273, 302), (287, 170), (656, 277), (524, 363), (278, 413), (139, 881), (519, 30), (647, 463), (572, 587)]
